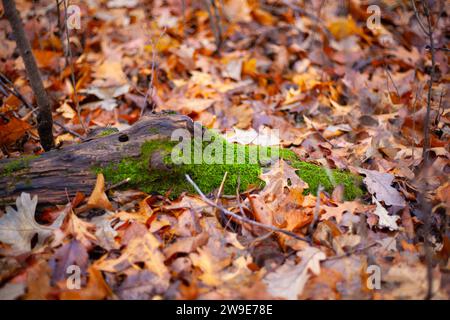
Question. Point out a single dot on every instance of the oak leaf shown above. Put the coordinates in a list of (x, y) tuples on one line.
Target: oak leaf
[(289, 280), (379, 185), (18, 227)]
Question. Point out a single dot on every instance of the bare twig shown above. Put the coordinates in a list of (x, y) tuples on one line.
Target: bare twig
[(418, 94), (9, 86), (214, 20), (393, 82), (429, 32), (69, 61), (238, 217), (351, 252), (316, 211), (150, 90), (219, 192)]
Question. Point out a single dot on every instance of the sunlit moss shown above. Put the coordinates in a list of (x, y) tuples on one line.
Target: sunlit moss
[(208, 177)]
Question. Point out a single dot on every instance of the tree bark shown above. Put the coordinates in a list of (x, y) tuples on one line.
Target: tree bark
[(44, 118), (58, 174)]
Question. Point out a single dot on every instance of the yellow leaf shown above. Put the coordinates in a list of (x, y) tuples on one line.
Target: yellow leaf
[(249, 67), (344, 27), (66, 111)]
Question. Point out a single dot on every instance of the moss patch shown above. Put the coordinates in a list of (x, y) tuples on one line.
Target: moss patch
[(16, 165), (107, 132), (208, 176)]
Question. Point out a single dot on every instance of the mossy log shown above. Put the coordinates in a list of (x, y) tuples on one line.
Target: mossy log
[(142, 155)]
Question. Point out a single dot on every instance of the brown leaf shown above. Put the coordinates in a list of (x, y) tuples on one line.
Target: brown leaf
[(98, 198), (379, 185), (289, 280), (339, 210), (38, 281), (72, 253), (96, 288)]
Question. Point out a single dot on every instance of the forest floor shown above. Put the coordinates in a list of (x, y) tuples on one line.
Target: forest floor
[(340, 88)]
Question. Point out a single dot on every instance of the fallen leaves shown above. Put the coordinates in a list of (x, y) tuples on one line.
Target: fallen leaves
[(12, 130), (339, 94), (289, 280), (144, 249)]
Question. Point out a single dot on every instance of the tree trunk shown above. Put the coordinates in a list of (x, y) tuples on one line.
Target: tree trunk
[(56, 175), (44, 118)]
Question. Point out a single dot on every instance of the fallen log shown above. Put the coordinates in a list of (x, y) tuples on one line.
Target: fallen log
[(57, 175), (143, 155)]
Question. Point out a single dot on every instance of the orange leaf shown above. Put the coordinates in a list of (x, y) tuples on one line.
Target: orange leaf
[(13, 130), (96, 289), (47, 59)]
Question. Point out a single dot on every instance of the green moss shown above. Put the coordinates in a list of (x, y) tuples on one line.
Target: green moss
[(153, 130), (16, 165), (108, 132), (315, 175), (209, 176)]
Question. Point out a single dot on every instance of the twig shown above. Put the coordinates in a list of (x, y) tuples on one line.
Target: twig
[(119, 184), (243, 219), (348, 254), (429, 32), (69, 62), (393, 82), (10, 87), (439, 114), (150, 89), (316, 211), (219, 26), (418, 93), (214, 23), (219, 192)]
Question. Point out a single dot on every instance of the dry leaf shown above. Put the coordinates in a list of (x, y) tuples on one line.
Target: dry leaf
[(289, 280), (71, 253), (96, 289), (281, 176), (384, 219), (12, 130), (98, 198), (379, 185), (210, 265), (144, 249), (337, 212), (17, 228)]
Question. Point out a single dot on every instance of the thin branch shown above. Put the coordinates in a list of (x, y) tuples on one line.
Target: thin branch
[(429, 32), (10, 87), (238, 217), (44, 118), (69, 61), (150, 89), (416, 12)]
